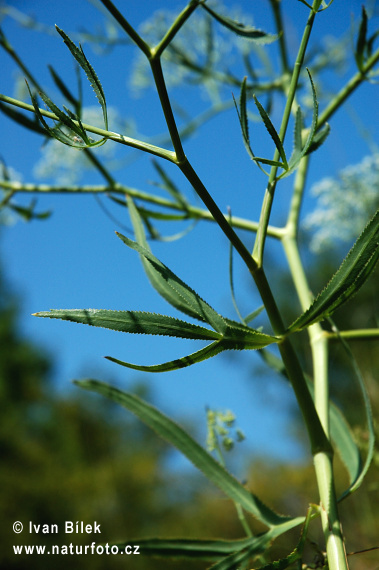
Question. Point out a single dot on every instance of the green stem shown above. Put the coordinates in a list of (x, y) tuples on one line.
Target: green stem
[(319, 345), (335, 546), (271, 186), (292, 225), (275, 4), (361, 334), (347, 90), (193, 212), (144, 47), (218, 216), (173, 30), (128, 141), (156, 68)]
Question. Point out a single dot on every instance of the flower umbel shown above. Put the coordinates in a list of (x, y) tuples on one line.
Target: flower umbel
[(345, 203)]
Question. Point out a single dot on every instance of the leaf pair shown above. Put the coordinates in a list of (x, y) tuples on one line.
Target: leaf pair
[(75, 134), (314, 139), (226, 334)]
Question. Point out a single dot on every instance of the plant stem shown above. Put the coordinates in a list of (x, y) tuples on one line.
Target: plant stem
[(144, 47), (160, 84), (179, 22), (122, 139), (361, 334), (192, 212), (271, 186), (319, 346), (347, 90)]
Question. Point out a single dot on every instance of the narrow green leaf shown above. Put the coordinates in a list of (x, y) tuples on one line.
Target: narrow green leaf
[(63, 87), (248, 32), (186, 548), (361, 41), (361, 471), (259, 544), (242, 116), (28, 213), (92, 77), (57, 133), (235, 338), (352, 274), (313, 128), (319, 138), (133, 322), (296, 553), (170, 186), (310, 144), (298, 129), (254, 314), (239, 336), (208, 352), (166, 283), (176, 436), (272, 131), (63, 117), (21, 119)]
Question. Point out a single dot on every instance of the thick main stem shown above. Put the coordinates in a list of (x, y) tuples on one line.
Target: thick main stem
[(323, 460)]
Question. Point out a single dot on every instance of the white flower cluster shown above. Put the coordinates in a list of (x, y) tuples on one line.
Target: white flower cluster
[(67, 165), (345, 204)]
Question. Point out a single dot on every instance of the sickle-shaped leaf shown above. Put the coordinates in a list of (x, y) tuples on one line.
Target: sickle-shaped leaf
[(234, 339), (352, 274), (176, 436), (207, 352), (248, 32)]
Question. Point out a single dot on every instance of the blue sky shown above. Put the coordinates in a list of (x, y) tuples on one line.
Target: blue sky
[(74, 259)]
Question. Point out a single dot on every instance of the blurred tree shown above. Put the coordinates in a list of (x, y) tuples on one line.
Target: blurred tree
[(76, 458)]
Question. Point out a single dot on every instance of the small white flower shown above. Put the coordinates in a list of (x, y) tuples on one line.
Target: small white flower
[(345, 204)]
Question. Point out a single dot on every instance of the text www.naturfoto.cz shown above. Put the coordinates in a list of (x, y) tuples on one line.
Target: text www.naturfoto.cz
[(76, 549)]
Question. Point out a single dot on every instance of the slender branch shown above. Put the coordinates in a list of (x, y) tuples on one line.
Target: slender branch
[(271, 186), (156, 69), (179, 22), (292, 226), (122, 139), (361, 334), (275, 4), (190, 211), (127, 27), (347, 90)]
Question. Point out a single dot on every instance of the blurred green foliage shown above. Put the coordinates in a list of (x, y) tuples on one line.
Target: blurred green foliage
[(74, 458)]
